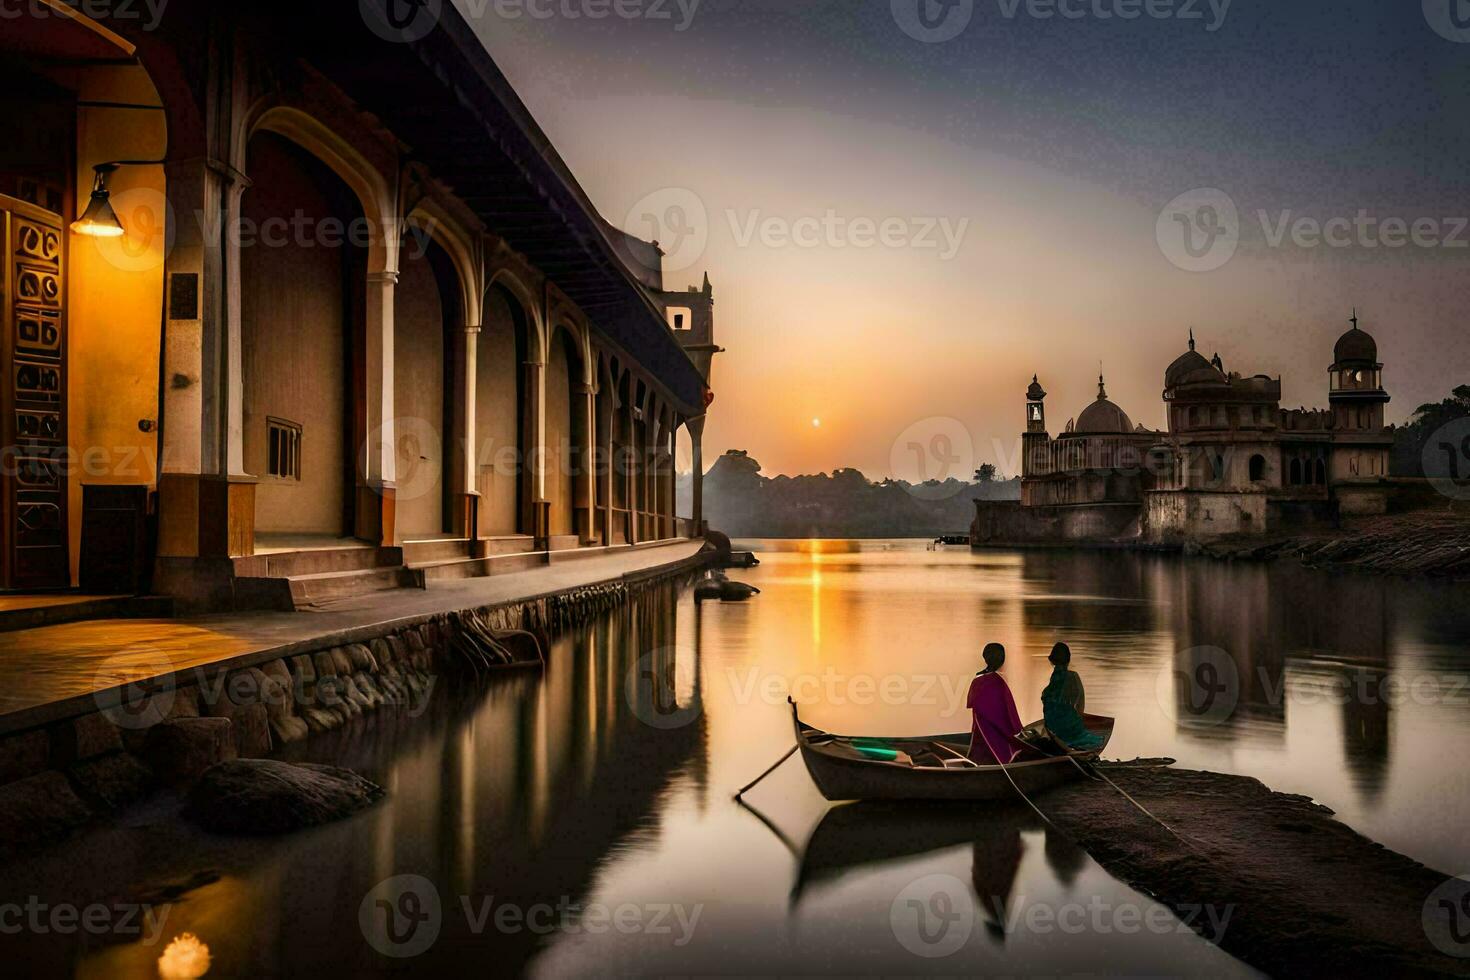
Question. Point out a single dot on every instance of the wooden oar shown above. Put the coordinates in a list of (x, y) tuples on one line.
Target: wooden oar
[(763, 775), (958, 755)]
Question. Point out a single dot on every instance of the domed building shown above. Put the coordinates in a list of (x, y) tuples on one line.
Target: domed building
[(1102, 417), (1221, 428), (1098, 461), (1231, 461), (1362, 445)]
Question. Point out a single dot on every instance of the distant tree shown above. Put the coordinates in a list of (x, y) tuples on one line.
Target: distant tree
[(1410, 440), (985, 474)]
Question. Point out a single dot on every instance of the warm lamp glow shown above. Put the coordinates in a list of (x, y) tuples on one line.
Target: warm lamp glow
[(186, 958), (99, 220)]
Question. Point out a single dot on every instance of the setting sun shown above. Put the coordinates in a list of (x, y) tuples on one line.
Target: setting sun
[(816, 423)]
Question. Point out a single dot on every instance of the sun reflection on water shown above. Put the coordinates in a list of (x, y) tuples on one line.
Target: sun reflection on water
[(185, 958)]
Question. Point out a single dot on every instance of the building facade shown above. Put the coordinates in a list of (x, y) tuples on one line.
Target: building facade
[(335, 316), (1231, 460)]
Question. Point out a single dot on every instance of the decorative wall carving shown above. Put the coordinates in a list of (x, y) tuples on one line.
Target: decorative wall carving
[(33, 488)]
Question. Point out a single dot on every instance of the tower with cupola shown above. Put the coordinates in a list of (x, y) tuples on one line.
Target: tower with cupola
[(1361, 444), (1355, 382), (1034, 441)]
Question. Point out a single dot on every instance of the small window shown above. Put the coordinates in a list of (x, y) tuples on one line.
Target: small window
[(283, 448), (1258, 468)]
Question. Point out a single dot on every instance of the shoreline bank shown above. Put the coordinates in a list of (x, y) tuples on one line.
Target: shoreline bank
[(68, 763), (1307, 895), (1428, 544)]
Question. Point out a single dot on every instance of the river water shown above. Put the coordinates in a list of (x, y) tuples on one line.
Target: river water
[(582, 823)]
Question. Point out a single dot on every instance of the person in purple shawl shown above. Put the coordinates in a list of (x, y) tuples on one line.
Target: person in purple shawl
[(996, 725)]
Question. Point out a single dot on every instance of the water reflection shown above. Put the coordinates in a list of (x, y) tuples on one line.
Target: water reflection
[(607, 782), (854, 838), (1330, 685), (514, 795)]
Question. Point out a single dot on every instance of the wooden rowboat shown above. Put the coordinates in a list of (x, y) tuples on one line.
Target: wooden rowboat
[(935, 767)]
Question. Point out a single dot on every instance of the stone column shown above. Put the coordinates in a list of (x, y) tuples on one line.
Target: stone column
[(468, 515), (671, 481), (378, 464), (696, 440), (537, 511), (604, 469), (652, 457), (206, 501), (586, 473), (652, 427), (628, 463)]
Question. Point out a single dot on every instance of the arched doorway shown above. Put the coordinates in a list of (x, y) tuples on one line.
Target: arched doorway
[(566, 431), (500, 413), (622, 460), (424, 363), (302, 283)]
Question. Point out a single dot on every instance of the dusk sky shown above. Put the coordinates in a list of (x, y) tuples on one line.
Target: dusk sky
[(1022, 174)]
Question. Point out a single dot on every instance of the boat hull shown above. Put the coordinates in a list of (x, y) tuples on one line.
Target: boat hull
[(841, 779)]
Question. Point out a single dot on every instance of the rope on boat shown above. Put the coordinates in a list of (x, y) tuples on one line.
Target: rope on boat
[(1004, 769), (762, 776), (1007, 770), (1187, 842)]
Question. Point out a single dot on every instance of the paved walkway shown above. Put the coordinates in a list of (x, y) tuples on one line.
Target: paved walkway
[(53, 672)]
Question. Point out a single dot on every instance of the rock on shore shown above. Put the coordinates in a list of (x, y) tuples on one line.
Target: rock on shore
[(1434, 543), (264, 796), (1306, 895), (38, 810)]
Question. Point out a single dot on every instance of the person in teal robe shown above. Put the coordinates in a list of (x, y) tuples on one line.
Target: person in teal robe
[(1064, 701)]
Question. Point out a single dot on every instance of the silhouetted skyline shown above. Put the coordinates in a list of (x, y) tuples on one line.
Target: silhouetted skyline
[(1058, 144)]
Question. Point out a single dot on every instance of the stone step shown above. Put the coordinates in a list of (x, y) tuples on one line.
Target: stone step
[(482, 567), (307, 590), (509, 544), (292, 564), (436, 549)]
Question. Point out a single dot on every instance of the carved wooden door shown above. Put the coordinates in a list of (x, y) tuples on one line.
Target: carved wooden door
[(33, 400)]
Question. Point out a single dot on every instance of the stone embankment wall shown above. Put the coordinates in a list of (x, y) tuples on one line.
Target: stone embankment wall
[(168, 731), (1007, 523)]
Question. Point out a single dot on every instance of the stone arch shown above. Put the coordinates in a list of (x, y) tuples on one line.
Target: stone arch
[(455, 255), (301, 325), (516, 287), (504, 407), (462, 250), (375, 195), (428, 346), (562, 314), (566, 426)]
